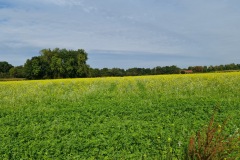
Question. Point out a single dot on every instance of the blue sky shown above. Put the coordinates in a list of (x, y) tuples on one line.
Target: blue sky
[(123, 33)]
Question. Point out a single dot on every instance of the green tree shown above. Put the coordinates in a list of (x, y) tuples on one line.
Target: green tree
[(197, 69), (4, 69), (17, 72), (57, 63), (231, 66), (94, 72), (205, 69), (211, 68), (117, 72), (33, 68), (56, 67), (82, 67), (105, 72)]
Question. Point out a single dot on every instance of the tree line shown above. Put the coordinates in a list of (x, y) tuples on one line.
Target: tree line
[(63, 63)]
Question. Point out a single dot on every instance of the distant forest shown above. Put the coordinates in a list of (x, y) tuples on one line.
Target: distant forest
[(63, 63)]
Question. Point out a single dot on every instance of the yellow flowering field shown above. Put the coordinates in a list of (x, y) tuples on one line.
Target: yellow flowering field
[(147, 117)]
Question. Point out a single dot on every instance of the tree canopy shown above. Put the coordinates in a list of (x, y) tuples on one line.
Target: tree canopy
[(4, 69), (57, 63)]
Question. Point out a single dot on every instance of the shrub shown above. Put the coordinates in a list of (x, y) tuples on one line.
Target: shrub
[(213, 142)]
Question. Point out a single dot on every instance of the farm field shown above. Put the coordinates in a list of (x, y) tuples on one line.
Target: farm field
[(147, 117)]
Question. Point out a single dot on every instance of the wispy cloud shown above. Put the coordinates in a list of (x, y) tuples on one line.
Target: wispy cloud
[(64, 2), (186, 28)]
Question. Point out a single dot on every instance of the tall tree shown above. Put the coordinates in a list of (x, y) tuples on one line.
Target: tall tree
[(33, 68), (58, 63), (4, 69)]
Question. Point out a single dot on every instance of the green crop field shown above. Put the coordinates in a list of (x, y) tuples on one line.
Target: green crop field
[(148, 117)]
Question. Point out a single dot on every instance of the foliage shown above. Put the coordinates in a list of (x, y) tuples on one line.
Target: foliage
[(213, 142), (17, 72), (57, 63), (62, 63), (4, 69), (147, 117)]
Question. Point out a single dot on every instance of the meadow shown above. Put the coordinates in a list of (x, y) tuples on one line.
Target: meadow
[(147, 117)]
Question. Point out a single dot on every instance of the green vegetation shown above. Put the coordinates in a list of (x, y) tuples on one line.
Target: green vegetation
[(57, 63), (63, 63), (147, 117), (4, 69)]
